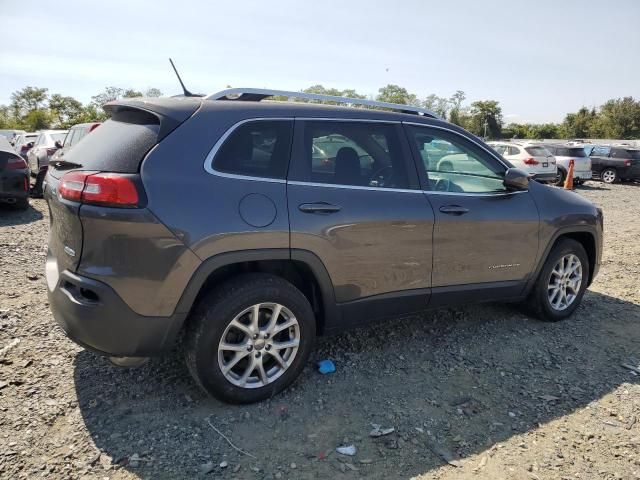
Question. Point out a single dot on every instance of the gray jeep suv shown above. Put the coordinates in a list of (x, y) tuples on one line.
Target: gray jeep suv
[(246, 228)]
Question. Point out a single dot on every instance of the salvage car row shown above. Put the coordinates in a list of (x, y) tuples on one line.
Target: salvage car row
[(545, 162), (24, 154)]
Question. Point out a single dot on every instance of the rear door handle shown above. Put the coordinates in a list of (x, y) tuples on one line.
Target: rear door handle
[(320, 207), (453, 210)]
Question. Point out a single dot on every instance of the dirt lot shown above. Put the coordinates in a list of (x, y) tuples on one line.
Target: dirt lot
[(477, 392)]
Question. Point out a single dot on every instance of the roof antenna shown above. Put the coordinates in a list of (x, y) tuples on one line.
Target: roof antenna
[(187, 93)]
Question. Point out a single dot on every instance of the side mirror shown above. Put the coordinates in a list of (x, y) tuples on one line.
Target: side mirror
[(58, 144), (516, 180)]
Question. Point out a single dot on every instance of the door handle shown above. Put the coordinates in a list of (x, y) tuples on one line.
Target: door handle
[(320, 207), (453, 210)]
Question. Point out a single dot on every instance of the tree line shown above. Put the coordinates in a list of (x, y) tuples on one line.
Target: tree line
[(32, 108)]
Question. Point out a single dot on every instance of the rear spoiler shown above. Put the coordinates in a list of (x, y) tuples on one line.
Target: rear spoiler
[(169, 113)]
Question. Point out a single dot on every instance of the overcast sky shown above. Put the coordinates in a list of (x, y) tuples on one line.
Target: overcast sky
[(540, 59)]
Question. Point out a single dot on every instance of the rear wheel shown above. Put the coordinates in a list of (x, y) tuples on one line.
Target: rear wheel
[(22, 204), (609, 175), (37, 190), (559, 181), (250, 338), (561, 283)]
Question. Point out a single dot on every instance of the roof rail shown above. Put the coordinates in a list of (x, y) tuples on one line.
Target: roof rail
[(257, 94)]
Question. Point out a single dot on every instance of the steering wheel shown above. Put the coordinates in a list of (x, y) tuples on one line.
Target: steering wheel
[(378, 173), (442, 185)]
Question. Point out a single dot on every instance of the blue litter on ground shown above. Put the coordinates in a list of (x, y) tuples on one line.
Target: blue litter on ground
[(326, 366)]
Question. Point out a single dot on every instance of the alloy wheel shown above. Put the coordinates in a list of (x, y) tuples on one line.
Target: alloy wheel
[(608, 176), (259, 345), (564, 282)]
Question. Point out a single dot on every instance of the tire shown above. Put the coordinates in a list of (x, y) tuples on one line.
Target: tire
[(218, 315), (609, 175), (538, 302), (559, 181)]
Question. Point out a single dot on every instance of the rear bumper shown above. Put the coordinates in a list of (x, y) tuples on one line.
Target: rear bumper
[(93, 315), (14, 184), (582, 174)]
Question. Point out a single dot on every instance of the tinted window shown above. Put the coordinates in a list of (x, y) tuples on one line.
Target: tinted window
[(601, 151), (513, 150), (257, 149), (69, 140), (635, 154), (352, 153), (537, 151), (453, 164), (119, 145), (570, 152), (501, 149)]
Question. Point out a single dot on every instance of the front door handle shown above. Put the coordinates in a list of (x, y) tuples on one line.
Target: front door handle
[(320, 207), (453, 210)]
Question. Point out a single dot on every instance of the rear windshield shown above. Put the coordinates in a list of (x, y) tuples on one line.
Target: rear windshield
[(58, 137), (537, 151), (570, 152), (119, 145)]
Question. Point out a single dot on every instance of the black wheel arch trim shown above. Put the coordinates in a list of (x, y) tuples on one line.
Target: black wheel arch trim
[(552, 241), (210, 265)]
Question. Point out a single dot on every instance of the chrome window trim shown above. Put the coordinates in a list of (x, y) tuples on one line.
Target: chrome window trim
[(474, 194), (208, 161), (352, 187)]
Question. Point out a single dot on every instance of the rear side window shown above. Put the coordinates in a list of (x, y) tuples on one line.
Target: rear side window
[(257, 149), (570, 152), (513, 150), (624, 153), (537, 151), (119, 145), (360, 154)]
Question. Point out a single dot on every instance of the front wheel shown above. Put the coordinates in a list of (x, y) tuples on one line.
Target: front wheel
[(250, 338), (609, 175), (562, 282)]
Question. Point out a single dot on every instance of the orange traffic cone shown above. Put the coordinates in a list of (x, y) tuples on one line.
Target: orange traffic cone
[(568, 183)]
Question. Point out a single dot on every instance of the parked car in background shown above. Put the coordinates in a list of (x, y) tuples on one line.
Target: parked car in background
[(531, 157), (615, 163), (14, 176), (216, 221), (23, 143), (564, 153), (76, 133), (11, 135), (47, 143)]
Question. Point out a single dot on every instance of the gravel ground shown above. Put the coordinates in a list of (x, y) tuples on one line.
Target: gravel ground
[(476, 392)]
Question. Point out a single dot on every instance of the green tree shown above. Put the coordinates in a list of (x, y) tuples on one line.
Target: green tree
[(152, 92), (579, 124), (37, 120), (108, 95), (485, 119), (66, 110), (619, 118), (396, 94), (131, 93), (28, 99), (456, 105)]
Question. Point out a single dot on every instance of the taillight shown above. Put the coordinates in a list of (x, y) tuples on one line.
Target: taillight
[(627, 163), (16, 163), (110, 189), (531, 161)]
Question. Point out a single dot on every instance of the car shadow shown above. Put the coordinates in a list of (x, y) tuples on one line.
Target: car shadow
[(9, 215), (480, 373)]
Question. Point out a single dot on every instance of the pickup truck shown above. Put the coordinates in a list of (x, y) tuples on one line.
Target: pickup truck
[(611, 164)]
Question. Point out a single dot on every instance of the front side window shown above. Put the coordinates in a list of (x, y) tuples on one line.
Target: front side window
[(453, 164), (600, 151), (58, 137), (257, 149), (354, 153)]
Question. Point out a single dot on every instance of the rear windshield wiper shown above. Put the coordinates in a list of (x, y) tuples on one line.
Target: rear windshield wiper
[(63, 165)]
